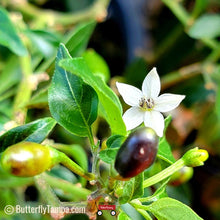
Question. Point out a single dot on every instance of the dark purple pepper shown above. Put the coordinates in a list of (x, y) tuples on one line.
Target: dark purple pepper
[(137, 153)]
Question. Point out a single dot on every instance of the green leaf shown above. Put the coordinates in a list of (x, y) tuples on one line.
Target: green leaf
[(62, 172), (97, 64), (206, 26), (8, 35), (39, 100), (115, 141), (128, 190), (132, 189), (72, 103), (35, 131), (109, 106), (167, 209), (123, 216), (138, 186), (44, 41), (11, 74), (164, 151), (108, 155), (76, 42), (78, 39)]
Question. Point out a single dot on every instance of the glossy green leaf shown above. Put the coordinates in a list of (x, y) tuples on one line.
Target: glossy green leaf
[(44, 41), (115, 141), (97, 64), (109, 106), (72, 103), (164, 151), (132, 189), (167, 209), (77, 40), (113, 144), (35, 131), (138, 186), (206, 26), (123, 216), (108, 155), (8, 35)]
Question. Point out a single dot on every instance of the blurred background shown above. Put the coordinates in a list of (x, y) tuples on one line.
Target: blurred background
[(183, 43)]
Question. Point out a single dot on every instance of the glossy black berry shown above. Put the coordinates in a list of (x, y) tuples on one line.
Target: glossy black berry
[(137, 153)]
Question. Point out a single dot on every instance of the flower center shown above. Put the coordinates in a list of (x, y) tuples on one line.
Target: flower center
[(146, 103)]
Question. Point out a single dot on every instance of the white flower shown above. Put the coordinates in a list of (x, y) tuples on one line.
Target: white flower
[(146, 104)]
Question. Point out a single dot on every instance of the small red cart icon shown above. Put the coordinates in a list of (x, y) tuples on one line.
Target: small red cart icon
[(107, 207)]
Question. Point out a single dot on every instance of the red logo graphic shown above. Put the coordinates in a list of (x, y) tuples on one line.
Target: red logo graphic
[(107, 207)]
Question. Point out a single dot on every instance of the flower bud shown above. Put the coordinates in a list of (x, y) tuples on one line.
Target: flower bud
[(27, 159), (195, 157)]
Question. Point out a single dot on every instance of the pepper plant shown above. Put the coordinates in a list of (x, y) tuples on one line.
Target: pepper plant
[(136, 158)]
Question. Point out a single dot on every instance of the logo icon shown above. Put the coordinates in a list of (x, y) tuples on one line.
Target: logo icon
[(106, 207)]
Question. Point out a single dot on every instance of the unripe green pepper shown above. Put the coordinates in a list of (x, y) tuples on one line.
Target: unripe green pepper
[(27, 159), (137, 153)]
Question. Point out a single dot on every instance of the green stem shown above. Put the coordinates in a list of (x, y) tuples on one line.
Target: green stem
[(76, 191), (46, 191), (16, 182), (67, 162), (24, 90), (164, 173), (215, 55), (199, 7), (138, 206), (97, 11), (180, 75), (187, 21), (177, 10)]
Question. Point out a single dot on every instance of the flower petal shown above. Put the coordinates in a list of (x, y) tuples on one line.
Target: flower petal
[(130, 94), (133, 117), (167, 102), (154, 120), (151, 84)]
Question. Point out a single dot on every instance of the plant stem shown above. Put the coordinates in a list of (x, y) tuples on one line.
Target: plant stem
[(16, 182), (52, 18), (74, 190), (46, 191), (187, 21), (164, 173), (180, 75), (67, 162), (177, 10), (138, 206), (24, 91), (199, 7)]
